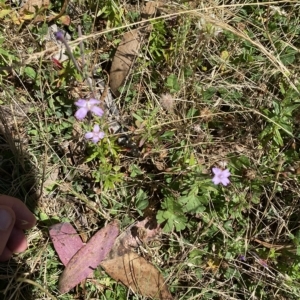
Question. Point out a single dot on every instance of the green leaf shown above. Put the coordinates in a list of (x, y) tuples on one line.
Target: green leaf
[(191, 204), (4, 12), (172, 215), (141, 201), (137, 117), (30, 72), (43, 216), (172, 83), (135, 171)]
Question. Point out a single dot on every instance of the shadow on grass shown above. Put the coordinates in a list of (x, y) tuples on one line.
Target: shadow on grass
[(17, 179)]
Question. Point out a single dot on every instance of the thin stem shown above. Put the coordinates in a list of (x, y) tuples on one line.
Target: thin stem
[(83, 62), (60, 37)]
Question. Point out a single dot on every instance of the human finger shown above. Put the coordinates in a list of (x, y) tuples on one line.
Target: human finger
[(6, 255), (7, 221), (17, 241), (24, 219)]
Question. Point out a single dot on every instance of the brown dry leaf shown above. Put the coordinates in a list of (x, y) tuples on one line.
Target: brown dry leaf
[(123, 59), (128, 49), (150, 9), (51, 178), (132, 270), (138, 233), (138, 274)]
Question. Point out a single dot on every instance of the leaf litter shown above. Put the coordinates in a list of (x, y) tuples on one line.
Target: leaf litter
[(113, 253), (88, 258)]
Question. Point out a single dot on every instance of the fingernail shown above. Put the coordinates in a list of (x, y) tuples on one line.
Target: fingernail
[(5, 219)]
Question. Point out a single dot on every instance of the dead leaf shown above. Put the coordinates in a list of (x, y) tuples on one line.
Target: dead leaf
[(66, 241), (138, 274), (123, 59), (132, 270), (88, 257), (138, 233), (150, 9), (52, 177)]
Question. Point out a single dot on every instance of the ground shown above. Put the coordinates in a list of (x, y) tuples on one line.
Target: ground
[(200, 85)]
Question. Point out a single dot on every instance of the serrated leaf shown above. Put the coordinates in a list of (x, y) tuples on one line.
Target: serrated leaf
[(172, 216), (142, 201), (191, 204)]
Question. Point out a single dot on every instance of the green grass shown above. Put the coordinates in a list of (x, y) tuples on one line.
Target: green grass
[(230, 76)]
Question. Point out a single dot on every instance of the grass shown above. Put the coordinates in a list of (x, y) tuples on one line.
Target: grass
[(214, 84)]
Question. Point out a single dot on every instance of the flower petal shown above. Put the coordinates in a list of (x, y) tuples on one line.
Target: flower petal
[(95, 139), (217, 171), (216, 180), (81, 113), (101, 135), (59, 35), (226, 173), (225, 181), (96, 128), (81, 103), (93, 101), (97, 111), (89, 135)]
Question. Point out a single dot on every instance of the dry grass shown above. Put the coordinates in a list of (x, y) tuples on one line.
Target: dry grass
[(229, 69)]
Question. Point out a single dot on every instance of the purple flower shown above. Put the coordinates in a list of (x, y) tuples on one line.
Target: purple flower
[(95, 135), (242, 257), (221, 176), (86, 106), (59, 36)]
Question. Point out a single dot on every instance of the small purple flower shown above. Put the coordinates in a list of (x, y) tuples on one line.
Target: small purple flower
[(95, 135), (242, 257), (86, 106), (59, 36), (221, 176)]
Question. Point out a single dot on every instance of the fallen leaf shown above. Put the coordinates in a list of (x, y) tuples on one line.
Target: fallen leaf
[(66, 241), (123, 59), (133, 270), (51, 178), (138, 274), (83, 263), (138, 233), (150, 9)]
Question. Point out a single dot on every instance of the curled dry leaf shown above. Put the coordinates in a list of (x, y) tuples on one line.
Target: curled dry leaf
[(134, 271), (138, 274), (52, 177), (123, 59), (138, 233), (88, 257), (128, 49), (66, 241), (150, 9)]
